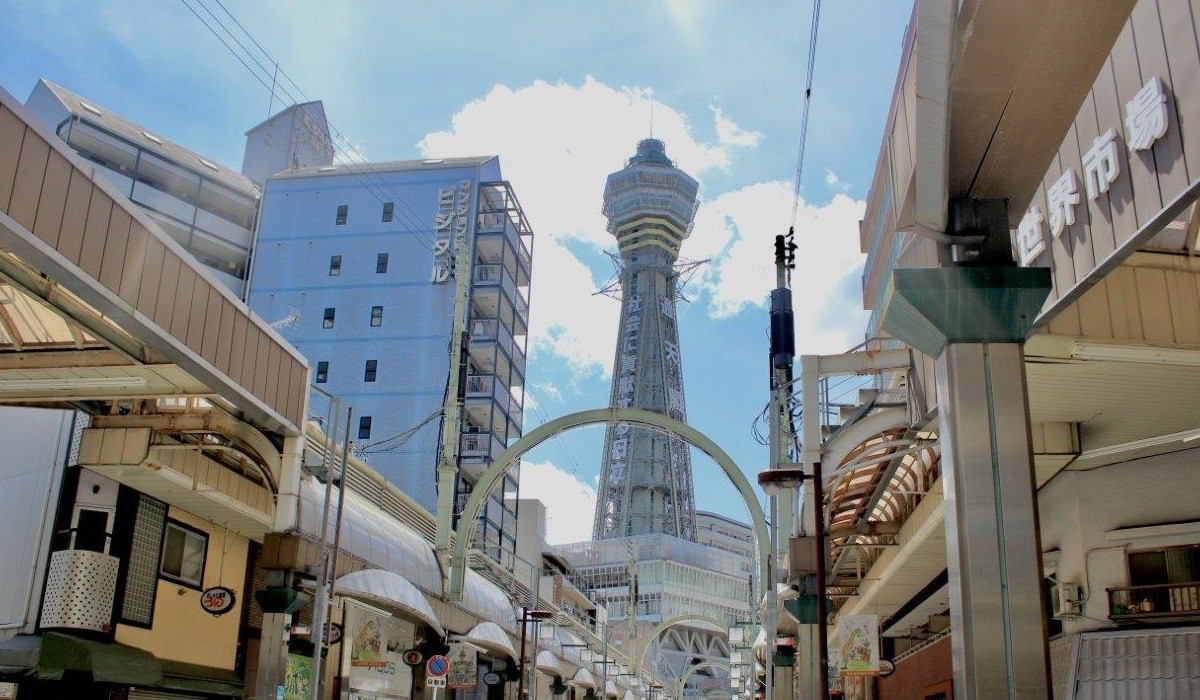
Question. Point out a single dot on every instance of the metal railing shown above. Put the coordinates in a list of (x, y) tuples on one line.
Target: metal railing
[(1148, 602)]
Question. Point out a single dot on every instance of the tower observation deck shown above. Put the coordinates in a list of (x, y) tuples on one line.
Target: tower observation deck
[(646, 475)]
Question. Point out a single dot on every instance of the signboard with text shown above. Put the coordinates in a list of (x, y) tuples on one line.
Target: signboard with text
[(373, 648), (463, 665)]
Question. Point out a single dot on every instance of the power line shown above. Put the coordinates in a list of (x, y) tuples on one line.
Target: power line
[(812, 61), (245, 57)]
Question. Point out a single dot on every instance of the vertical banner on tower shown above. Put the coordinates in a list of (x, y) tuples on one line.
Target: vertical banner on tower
[(859, 648), (372, 653), (463, 665)]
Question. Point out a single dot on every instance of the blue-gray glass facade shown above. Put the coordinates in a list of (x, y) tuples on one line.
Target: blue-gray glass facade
[(364, 256)]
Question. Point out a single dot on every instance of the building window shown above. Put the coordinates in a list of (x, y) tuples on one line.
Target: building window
[(183, 554), (335, 265), (381, 261), (389, 210), (364, 428), (327, 322), (369, 372), (342, 212), (322, 372), (376, 316)]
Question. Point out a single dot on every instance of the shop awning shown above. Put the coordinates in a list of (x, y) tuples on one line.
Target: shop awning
[(391, 592), (610, 690), (489, 636), (583, 679), (52, 654), (549, 663), (200, 679)]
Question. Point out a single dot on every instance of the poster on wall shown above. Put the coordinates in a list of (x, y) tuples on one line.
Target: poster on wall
[(298, 677), (463, 663), (373, 648), (859, 648)]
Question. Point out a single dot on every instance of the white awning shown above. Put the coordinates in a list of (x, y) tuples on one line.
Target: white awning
[(372, 535), (390, 591), (488, 602), (583, 679), (569, 646), (610, 689), (490, 637), (548, 662)]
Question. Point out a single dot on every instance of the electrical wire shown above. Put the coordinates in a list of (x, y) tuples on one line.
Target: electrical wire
[(812, 60), (373, 182)]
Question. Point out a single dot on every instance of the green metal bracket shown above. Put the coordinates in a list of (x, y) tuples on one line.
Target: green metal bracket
[(929, 308)]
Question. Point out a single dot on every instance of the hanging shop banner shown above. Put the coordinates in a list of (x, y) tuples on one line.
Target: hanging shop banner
[(860, 644), (463, 663), (373, 648), (298, 678)]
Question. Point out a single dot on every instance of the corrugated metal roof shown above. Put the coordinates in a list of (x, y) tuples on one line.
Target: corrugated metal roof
[(89, 111), (1157, 663)]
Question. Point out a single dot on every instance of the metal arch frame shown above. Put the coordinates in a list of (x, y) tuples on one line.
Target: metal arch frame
[(668, 624), (681, 683), (500, 466)]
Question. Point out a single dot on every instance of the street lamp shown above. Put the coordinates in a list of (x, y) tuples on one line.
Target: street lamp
[(527, 616)]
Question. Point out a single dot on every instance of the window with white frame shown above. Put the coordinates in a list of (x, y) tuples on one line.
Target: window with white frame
[(183, 553)]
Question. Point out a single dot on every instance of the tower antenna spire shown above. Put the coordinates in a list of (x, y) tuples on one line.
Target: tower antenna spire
[(652, 115)]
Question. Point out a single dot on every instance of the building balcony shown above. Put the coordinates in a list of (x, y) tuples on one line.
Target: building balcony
[(1167, 602), (496, 226), (496, 276), (487, 334), (80, 587), (479, 446), (486, 385)]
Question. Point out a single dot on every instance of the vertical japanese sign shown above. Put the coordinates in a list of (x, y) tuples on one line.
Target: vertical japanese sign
[(450, 228), (859, 648), (372, 652), (463, 667), (1147, 118)]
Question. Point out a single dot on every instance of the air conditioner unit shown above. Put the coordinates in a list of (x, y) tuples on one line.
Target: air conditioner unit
[(1066, 600)]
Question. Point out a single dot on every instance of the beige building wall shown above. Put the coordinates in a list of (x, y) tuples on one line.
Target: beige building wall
[(182, 631)]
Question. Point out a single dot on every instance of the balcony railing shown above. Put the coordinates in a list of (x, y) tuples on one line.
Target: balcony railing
[(80, 588), (1167, 600), (499, 222), (495, 275), (490, 329)]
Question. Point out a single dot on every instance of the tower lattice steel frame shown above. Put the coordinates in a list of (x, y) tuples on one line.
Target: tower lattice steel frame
[(646, 476)]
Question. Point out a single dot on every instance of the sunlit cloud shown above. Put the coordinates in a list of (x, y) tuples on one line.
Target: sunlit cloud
[(570, 502)]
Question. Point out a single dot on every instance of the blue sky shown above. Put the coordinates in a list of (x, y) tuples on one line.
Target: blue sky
[(561, 91)]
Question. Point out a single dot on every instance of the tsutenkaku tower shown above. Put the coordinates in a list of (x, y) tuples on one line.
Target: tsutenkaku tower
[(646, 475)]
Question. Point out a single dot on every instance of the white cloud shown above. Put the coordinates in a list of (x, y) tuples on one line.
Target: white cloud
[(569, 502), (557, 143), (729, 133), (834, 182), (737, 231)]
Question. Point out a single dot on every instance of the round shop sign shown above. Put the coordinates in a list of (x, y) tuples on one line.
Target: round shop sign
[(335, 633), (491, 678), (412, 657), (217, 600)]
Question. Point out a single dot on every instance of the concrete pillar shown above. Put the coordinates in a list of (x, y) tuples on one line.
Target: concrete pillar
[(272, 655), (975, 321)]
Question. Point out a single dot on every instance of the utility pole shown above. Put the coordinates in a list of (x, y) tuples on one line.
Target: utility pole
[(783, 350)]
